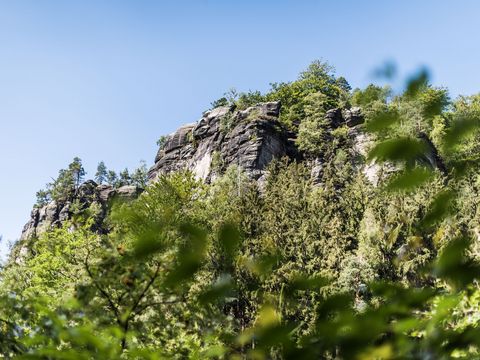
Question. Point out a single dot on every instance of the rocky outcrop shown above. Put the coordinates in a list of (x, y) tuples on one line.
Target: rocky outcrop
[(224, 136), (249, 138), (87, 195)]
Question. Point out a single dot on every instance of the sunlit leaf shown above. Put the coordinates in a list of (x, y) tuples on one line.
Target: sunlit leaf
[(393, 236)]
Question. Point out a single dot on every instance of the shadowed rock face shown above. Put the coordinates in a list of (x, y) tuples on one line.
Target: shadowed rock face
[(250, 139), (89, 193)]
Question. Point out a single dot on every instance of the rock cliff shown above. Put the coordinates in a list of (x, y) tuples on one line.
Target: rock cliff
[(249, 138), (89, 193)]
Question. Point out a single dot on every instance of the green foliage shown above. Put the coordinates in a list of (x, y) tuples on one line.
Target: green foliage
[(299, 267), (43, 198), (75, 168), (317, 78), (162, 140), (223, 101), (139, 177), (217, 162), (63, 188), (313, 132), (370, 96), (102, 173), (112, 177), (227, 122)]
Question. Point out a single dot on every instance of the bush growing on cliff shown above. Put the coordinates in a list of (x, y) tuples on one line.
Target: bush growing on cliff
[(318, 78)]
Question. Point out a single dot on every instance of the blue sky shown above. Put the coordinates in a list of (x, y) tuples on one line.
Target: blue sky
[(103, 79)]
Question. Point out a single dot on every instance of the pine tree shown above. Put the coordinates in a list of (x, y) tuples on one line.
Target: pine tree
[(140, 176), (102, 174), (112, 177), (77, 171), (63, 187), (124, 178), (43, 198)]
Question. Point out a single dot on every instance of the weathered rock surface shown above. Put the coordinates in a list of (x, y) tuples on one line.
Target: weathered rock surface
[(89, 193), (250, 139)]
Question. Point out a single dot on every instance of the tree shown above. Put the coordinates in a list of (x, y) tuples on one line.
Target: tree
[(63, 187), (302, 267), (139, 177), (77, 171), (319, 77), (102, 173), (314, 130), (162, 140), (112, 177), (124, 178), (43, 198)]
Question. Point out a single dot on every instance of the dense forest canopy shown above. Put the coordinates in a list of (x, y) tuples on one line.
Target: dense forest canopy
[(337, 267)]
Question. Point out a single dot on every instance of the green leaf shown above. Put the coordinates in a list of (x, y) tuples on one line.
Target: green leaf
[(312, 283), (416, 83), (439, 208), (222, 288), (409, 180), (393, 236), (459, 130), (387, 71), (455, 266), (398, 150), (190, 256), (382, 120), (149, 241), (229, 238)]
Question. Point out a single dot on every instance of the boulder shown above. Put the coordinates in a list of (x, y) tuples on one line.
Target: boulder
[(128, 192), (335, 117), (105, 192), (353, 116)]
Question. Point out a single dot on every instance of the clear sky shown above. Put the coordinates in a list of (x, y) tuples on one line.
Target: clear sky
[(103, 79)]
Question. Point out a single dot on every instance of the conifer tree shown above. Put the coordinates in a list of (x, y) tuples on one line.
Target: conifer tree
[(102, 174)]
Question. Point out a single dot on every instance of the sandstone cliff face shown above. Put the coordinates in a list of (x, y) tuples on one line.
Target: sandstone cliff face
[(250, 139), (89, 193)]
